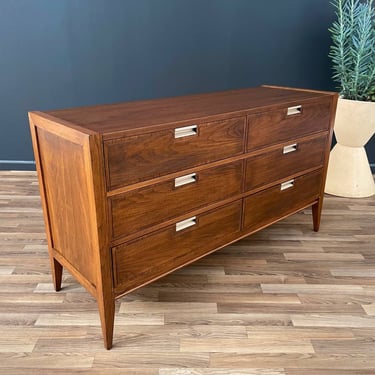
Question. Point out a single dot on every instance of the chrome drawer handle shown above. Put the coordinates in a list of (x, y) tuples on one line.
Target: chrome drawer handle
[(287, 185), (186, 131), (294, 110), (186, 223), (184, 180), (290, 148)]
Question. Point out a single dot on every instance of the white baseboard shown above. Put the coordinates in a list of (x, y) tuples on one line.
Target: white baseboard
[(17, 162), (28, 165)]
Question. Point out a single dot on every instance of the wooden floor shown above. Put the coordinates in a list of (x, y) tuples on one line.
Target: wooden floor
[(284, 301)]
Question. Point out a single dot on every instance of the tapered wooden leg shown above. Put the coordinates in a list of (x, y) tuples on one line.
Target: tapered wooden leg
[(57, 271), (316, 214), (107, 319)]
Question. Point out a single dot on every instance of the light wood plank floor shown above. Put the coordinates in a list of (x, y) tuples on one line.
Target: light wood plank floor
[(286, 301)]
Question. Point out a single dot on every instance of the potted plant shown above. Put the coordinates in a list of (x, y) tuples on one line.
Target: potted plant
[(353, 56)]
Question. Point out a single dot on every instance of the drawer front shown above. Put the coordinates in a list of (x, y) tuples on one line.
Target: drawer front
[(271, 204), (146, 156), (145, 259), (288, 123), (142, 208), (290, 158)]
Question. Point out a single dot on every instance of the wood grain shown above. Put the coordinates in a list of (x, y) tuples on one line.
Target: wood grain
[(141, 260), (233, 312), (68, 204), (133, 117), (276, 164), (313, 117), (129, 161), (275, 202), (130, 211)]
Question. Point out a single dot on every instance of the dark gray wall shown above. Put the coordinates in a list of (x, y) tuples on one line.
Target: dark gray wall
[(63, 53)]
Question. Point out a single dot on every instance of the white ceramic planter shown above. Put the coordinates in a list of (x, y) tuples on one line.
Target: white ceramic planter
[(349, 173)]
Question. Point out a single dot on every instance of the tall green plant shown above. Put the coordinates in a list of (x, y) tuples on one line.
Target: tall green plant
[(353, 49)]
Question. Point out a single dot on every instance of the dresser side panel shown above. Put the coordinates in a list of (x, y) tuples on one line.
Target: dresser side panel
[(63, 164)]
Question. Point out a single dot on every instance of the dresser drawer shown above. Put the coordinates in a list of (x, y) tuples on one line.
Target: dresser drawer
[(271, 204), (145, 207), (144, 259), (287, 123), (290, 158), (138, 158)]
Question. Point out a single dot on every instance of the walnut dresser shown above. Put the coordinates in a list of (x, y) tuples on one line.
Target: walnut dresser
[(135, 190)]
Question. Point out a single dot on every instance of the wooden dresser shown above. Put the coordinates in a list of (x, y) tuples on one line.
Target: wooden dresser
[(133, 191)]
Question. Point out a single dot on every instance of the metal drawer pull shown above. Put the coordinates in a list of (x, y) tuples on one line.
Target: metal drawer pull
[(294, 110), (186, 223), (184, 180), (290, 148), (287, 184), (186, 131)]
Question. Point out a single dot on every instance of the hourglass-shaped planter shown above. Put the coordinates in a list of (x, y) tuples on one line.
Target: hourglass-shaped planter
[(349, 173)]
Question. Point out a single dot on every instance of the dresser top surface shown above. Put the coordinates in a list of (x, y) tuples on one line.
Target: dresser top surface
[(110, 119)]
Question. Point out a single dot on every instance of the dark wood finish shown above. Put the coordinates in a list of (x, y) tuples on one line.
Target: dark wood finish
[(274, 165), (143, 260), (277, 126), (73, 191), (67, 201), (101, 239), (273, 203), (317, 207), (150, 155), (107, 181), (57, 271), (115, 120), (130, 211)]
